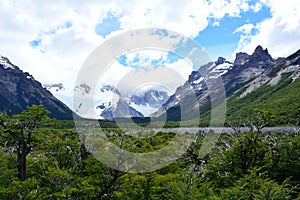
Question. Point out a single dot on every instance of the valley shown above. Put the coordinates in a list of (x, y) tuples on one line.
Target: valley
[(154, 144), (150, 100)]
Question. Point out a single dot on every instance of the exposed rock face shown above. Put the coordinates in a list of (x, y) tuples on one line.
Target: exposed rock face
[(258, 55), (261, 54), (246, 69), (194, 92), (18, 90), (289, 65), (241, 58), (220, 61), (153, 98)]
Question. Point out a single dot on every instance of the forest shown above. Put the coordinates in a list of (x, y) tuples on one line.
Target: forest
[(43, 158)]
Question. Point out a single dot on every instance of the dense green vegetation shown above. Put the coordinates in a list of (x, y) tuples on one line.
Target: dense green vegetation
[(248, 165), (281, 99)]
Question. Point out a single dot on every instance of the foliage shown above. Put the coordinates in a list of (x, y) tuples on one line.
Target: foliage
[(282, 100), (16, 134), (241, 165)]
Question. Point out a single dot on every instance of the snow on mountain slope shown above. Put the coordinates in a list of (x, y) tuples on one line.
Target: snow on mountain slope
[(107, 100), (145, 109), (110, 104), (6, 63), (233, 75), (148, 102), (197, 84)]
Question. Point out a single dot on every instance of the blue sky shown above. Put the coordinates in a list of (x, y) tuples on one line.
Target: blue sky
[(51, 40), (220, 40), (109, 24)]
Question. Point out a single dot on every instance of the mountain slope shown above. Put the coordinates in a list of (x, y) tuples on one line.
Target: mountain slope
[(276, 90), (252, 81), (194, 93), (282, 100), (19, 90)]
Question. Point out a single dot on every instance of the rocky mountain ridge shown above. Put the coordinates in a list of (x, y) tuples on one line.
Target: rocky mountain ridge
[(247, 72), (19, 89), (272, 76)]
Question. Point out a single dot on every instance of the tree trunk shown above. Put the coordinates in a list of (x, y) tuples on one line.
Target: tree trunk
[(83, 152), (22, 167), (22, 153)]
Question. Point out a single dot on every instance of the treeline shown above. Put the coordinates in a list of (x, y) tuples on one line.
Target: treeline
[(251, 165)]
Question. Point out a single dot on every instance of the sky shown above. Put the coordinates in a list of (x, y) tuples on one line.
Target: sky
[(52, 39)]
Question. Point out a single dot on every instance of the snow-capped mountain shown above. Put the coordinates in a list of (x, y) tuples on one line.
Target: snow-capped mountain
[(148, 102), (6, 64), (110, 104), (244, 76), (234, 76), (196, 85)]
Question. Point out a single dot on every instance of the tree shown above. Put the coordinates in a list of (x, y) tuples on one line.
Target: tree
[(259, 119), (16, 134)]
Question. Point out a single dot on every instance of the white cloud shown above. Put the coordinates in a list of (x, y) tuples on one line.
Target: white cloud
[(257, 7), (245, 29), (216, 24), (245, 35), (169, 75), (113, 74), (144, 57), (280, 33)]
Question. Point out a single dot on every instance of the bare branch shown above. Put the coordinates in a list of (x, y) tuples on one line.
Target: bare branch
[(10, 152)]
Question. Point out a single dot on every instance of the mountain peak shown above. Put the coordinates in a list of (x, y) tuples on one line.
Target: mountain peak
[(241, 58), (19, 90), (110, 88), (220, 61), (261, 54), (259, 48), (6, 63)]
